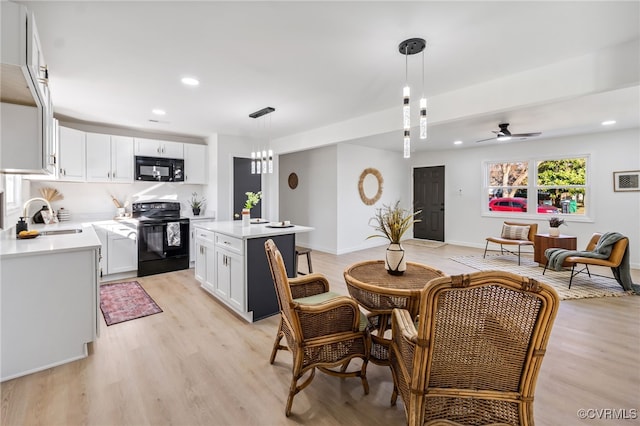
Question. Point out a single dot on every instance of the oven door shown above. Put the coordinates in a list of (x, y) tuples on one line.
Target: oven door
[(163, 239)]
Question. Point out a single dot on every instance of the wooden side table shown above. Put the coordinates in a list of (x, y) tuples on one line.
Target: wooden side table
[(545, 241)]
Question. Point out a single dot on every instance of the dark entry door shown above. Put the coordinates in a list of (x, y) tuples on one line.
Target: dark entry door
[(243, 182), (428, 196)]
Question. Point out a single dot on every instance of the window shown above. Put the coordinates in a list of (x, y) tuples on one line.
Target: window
[(563, 183), (560, 186), (13, 192)]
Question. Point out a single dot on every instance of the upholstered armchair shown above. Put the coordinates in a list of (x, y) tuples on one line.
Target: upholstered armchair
[(513, 234)]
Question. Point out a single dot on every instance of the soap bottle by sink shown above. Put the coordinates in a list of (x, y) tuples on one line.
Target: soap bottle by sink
[(21, 226)]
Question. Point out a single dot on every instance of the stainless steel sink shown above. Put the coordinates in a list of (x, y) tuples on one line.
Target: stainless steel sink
[(61, 231)]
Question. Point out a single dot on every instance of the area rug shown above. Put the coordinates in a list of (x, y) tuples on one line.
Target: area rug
[(125, 301), (582, 286), (424, 243)]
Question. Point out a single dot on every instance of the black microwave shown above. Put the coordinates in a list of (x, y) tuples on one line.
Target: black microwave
[(159, 169)]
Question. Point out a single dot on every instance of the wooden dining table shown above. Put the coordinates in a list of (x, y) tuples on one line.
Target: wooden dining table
[(379, 293)]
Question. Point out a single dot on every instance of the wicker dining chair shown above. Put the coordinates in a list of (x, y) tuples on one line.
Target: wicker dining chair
[(323, 329), (475, 354)]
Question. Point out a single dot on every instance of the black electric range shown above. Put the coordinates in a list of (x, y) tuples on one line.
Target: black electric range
[(163, 237)]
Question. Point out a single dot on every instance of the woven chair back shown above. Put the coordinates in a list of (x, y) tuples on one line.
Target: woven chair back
[(485, 335), (280, 279)]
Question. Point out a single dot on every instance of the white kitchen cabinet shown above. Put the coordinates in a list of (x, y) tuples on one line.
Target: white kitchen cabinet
[(192, 234), (205, 270), (24, 83), (109, 158), (122, 159), (49, 309), (195, 164), (229, 264), (230, 284), (98, 157), (102, 234), (122, 249), (158, 148), (72, 154), (119, 253)]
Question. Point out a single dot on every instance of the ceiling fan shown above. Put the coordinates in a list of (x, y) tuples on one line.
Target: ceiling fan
[(504, 134)]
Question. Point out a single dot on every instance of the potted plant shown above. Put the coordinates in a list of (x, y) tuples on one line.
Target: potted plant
[(391, 222), (253, 198), (196, 204), (554, 225)]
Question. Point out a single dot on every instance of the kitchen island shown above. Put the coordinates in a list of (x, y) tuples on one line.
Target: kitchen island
[(231, 264), (50, 299)]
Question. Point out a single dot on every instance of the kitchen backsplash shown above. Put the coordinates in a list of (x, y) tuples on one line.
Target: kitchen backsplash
[(91, 199)]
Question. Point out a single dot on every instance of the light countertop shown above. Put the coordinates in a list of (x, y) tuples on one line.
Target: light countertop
[(10, 246), (235, 229)]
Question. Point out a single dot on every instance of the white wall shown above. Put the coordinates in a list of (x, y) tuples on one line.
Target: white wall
[(327, 196), (609, 210), (83, 199), (353, 214), (314, 202)]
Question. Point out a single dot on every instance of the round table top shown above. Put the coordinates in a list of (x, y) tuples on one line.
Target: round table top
[(372, 272)]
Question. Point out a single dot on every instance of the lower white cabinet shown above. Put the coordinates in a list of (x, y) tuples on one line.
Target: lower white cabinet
[(230, 283), (49, 309), (220, 268), (119, 252), (205, 270), (122, 250)]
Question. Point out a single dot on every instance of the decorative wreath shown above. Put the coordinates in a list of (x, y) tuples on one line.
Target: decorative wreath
[(370, 171)]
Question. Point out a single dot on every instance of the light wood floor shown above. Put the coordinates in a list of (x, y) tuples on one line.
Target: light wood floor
[(198, 364)]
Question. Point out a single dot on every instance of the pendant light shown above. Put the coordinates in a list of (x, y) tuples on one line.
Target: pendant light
[(411, 47), (423, 106), (262, 160)]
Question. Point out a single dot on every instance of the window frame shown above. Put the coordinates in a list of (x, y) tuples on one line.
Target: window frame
[(532, 187)]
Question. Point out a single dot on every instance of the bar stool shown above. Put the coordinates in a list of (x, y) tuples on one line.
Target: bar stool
[(303, 251)]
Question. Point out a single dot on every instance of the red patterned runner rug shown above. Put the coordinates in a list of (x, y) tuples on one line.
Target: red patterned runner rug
[(125, 301)]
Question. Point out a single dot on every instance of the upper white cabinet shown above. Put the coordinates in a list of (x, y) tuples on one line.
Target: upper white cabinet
[(26, 141), (98, 157), (195, 164), (71, 144), (157, 148), (109, 158)]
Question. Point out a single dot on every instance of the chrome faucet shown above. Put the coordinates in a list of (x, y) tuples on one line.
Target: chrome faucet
[(26, 205)]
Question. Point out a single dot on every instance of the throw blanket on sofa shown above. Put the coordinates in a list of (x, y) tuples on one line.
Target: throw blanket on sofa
[(602, 250)]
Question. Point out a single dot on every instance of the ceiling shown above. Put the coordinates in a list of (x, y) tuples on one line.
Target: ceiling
[(319, 63)]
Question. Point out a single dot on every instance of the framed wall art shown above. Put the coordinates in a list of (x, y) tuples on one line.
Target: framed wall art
[(626, 181)]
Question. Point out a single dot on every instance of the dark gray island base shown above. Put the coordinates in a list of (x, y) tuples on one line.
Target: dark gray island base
[(261, 295), (231, 264)]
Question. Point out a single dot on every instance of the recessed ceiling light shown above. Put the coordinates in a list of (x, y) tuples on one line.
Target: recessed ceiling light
[(457, 143), (158, 111), (608, 122), (190, 81)]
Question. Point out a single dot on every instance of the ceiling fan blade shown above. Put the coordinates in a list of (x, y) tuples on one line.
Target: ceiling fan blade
[(526, 135), (486, 140)]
